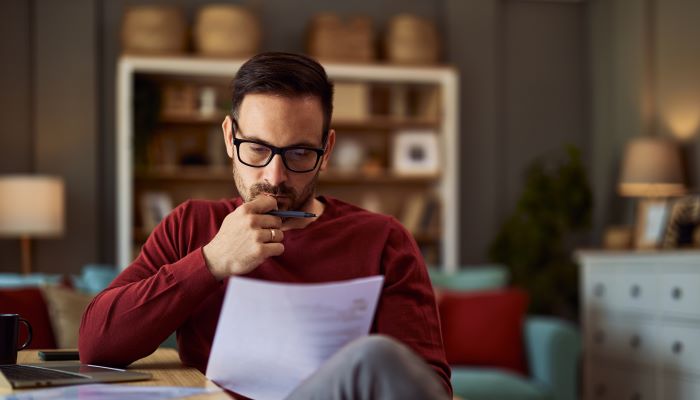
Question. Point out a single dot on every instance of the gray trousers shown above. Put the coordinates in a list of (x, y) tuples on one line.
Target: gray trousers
[(372, 367)]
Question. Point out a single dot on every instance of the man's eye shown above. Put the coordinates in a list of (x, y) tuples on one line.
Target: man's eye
[(259, 149), (300, 152)]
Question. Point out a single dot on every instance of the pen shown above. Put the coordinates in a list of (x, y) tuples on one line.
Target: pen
[(291, 214)]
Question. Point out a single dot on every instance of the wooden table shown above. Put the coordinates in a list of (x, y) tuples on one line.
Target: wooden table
[(164, 366)]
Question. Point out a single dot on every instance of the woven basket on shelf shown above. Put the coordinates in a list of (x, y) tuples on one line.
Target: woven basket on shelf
[(226, 31), (154, 29), (411, 40), (331, 39)]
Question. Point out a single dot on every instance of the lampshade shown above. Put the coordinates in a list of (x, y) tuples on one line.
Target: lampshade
[(31, 205), (651, 168)]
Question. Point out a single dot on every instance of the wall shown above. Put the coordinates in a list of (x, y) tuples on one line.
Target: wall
[(523, 71), (644, 62), (49, 119)]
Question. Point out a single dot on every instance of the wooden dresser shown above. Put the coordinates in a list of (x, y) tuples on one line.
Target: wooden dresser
[(640, 314)]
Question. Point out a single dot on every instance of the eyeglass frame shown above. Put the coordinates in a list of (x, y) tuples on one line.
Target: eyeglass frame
[(274, 150)]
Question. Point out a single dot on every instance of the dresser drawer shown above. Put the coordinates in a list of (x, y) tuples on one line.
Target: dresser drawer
[(626, 292), (679, 348), (636, 292), (612, 384), (624, 340), (680, 294)]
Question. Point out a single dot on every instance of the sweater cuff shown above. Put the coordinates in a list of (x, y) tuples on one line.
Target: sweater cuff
[(193, 275)]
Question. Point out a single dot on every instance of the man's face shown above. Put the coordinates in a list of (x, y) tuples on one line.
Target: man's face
[(282, 122)]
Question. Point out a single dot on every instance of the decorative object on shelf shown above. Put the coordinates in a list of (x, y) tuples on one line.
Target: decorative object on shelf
[(619, 237), (223, 30), (178, 100), (537, 240), (416, 152), (349, 155), (651, 170), (331, 39), (350, 101), (411, 39), (207, 101), (154, 29), (154, 207), (683, 228), (31, 206), (652, 215)]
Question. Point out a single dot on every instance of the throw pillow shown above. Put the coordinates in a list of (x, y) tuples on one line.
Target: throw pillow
[(30, 305), (485, 328), (66, 307)]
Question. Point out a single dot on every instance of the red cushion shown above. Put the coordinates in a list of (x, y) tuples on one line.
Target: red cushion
[(30, 305), (485, 328)]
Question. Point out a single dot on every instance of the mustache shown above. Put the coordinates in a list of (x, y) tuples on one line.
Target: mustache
[(280, 190)]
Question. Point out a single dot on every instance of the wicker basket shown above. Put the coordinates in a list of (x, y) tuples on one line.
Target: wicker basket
[(226, 31), (330, 39), (412, 40), (154, 30)]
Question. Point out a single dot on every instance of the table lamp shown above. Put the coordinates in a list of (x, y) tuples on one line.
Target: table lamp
[(651, 170), (31, 206)]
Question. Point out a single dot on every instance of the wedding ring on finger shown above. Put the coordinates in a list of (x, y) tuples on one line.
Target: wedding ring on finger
[(272, 233)]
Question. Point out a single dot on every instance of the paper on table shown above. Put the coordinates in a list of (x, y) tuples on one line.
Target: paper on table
[(271, 336), (100, 391)]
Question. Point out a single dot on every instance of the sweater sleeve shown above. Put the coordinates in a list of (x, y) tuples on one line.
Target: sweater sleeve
[(407, 308), (148, 301)]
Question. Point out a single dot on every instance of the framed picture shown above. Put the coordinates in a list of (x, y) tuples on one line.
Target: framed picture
[(683, 228), (416, 153), (651, 223), (154, 207)]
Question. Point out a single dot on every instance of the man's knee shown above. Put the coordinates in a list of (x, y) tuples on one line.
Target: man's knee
[(378, 349)]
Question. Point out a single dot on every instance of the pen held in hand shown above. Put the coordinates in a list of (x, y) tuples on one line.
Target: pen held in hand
[(290, 214)]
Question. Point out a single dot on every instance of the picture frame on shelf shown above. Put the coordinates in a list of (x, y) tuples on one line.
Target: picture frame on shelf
[(416, 152), (154, 207), (683, 227), (652, 216)]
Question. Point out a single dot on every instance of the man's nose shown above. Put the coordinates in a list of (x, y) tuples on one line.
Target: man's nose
[(275, 172)]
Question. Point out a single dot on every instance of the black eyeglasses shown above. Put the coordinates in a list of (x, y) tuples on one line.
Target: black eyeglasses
[(295, 158)]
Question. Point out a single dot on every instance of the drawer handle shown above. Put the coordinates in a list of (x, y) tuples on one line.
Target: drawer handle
[(676, 293), (599, 290), (677, 347), (635, 341), (635, 291)]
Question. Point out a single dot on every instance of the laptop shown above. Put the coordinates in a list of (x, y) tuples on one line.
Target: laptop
[(21, 376)]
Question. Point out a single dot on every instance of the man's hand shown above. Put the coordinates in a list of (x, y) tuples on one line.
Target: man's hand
[(246, 238)]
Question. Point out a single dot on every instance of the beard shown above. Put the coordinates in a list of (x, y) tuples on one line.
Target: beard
[(293, 199)]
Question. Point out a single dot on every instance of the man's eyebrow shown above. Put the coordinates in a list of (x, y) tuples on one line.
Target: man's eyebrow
[(298, 144)]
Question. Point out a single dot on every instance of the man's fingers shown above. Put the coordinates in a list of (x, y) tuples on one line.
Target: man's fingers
[(267, 221), (261, 204), (272, 249)]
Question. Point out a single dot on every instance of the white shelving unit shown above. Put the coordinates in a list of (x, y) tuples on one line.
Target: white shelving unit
[(443, 77)]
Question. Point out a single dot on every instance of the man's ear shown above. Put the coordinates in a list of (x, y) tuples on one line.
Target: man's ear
[(227, 129), (330, 143)]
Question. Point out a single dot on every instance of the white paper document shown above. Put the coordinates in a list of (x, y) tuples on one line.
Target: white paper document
[(101, 391), (272, 336)]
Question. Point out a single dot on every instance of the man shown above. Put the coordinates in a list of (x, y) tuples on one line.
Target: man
[(279, 139)]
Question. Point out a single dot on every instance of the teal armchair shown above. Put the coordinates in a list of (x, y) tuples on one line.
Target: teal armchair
[(552, 346)]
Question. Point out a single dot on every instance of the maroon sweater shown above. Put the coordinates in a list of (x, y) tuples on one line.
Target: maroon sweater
[(169, 287)]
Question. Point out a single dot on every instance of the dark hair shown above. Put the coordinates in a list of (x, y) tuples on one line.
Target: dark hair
[(285, 74)]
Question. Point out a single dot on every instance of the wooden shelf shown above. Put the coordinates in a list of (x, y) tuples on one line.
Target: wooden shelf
[(190, 133), (192, 119), (373, 124), (224, 174)]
